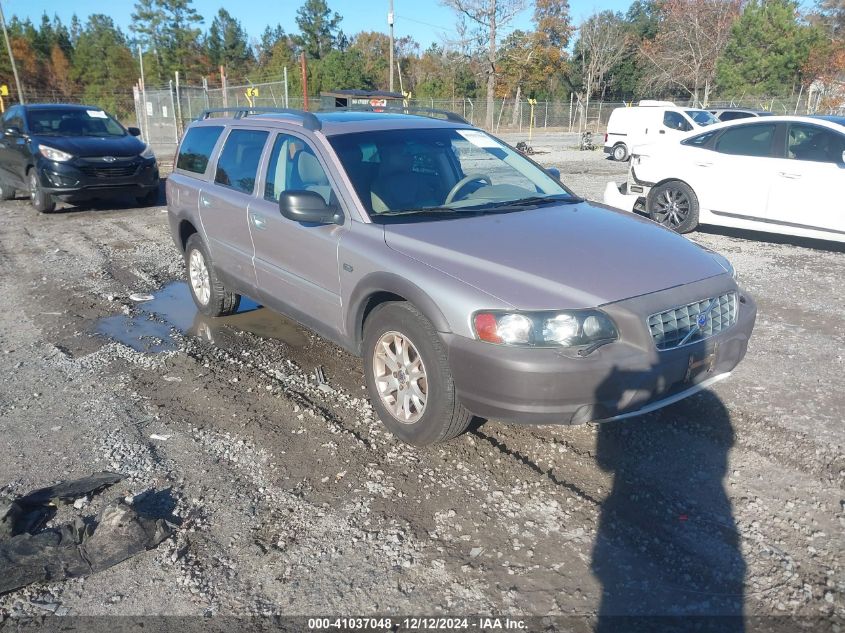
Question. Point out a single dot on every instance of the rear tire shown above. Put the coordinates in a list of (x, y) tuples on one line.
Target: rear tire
[(209, 294), (42, 202), (674, 205), (410, 384), (6, 192), (620, 152)]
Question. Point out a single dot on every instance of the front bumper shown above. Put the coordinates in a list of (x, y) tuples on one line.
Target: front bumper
[(83, 179), (617, 195), (629, 377)]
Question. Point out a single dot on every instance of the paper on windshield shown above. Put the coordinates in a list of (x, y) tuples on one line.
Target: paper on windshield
[(479, 139), (97, 114)]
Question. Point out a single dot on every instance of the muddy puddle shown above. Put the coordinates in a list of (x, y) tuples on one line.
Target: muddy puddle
[(150, 328)]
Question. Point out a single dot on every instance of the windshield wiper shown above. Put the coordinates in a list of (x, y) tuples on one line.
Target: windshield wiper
[(420, 211), (533, 201)]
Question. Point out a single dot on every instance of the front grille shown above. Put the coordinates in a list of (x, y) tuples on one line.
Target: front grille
[(684, 325), (116, 170)]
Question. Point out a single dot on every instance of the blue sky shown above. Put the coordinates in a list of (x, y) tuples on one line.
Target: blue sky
[(426, 20)]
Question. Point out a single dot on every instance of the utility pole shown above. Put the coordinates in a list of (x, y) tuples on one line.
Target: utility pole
[(303, 69), (390, 27), (144, 96), (11, 56)]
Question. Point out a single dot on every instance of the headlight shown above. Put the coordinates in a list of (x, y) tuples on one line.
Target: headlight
[(51, 153), (571, 328), (148, 152)]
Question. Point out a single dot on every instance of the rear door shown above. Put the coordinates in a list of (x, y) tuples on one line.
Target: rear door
[(224, 204), (296, 264), (736, 177), (809, 179)]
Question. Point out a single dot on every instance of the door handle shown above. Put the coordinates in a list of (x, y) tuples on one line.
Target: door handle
[(704, 164), (789, 175), (257, 221), (205, 201), (662, 132)]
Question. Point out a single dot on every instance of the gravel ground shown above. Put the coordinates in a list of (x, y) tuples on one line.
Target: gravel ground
[(293, 499)]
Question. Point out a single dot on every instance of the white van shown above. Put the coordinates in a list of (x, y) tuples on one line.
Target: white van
[(647, 122)]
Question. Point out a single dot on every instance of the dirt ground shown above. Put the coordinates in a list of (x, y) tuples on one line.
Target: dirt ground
[(293, 499)]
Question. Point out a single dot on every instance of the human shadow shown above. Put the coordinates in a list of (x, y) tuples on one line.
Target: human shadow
[(668, 552)]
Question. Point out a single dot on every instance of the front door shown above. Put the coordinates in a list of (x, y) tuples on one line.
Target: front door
[(296, 264), (808, 183)]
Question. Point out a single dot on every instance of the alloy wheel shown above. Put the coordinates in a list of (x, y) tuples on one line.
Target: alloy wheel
[(199, 277), (400, 377), (671, 207)]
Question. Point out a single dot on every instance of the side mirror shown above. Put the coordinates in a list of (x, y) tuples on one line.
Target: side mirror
[(134, 131), (12, 130), (308, 207), (554, 172)]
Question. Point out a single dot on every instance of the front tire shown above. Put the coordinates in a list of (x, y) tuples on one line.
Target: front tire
[(42, 202), (674, 205), (408, 376), (620, 152), (6, 192), (209, 294)]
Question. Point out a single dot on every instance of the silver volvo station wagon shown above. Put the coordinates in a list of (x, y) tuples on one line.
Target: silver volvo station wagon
[(470, 280)]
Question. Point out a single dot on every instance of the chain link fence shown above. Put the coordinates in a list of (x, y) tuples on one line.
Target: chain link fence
[(163, 114)]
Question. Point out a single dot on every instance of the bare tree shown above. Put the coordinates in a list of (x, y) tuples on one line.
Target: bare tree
[(603, 40), (488, 17), (691, 36)]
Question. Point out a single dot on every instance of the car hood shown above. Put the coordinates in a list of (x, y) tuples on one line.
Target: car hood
[(118, 146), (556, 257)]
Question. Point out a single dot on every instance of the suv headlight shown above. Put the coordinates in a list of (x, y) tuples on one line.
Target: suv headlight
[(51, 153), (569, 328), (148, 152)]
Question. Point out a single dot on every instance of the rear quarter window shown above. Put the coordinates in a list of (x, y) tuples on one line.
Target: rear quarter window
[(196, 148)]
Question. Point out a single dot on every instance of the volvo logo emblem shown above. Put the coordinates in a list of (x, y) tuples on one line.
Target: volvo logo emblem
[(702, 320), (109, 159)]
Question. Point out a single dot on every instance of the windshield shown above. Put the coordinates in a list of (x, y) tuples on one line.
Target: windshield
[(73, 122), (442, 172), (702, 117)]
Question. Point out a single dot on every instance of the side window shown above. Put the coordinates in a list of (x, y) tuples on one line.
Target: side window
[(196, 147), (813, 143), (732, 116), (700, 140), (14, 118), (293, 166), (237, 166), (675, 121), (747, 140)]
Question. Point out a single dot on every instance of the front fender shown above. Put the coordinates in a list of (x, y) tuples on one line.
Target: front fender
[(381, 282)]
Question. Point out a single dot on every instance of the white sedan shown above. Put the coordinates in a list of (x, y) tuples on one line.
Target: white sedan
[(781, 174)]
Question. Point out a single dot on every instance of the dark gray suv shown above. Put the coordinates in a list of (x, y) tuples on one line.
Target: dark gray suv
[(470, 279)]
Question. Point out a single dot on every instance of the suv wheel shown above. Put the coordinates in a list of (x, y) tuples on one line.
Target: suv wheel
[(674, 205), (211, 297), (408, 376), (42, 202), (6, 192), (620, 152)]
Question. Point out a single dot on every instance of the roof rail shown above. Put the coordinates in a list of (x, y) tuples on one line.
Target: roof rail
[(309, 121), (429, 112)]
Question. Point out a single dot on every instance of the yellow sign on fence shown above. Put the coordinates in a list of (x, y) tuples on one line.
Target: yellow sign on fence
[(251, 93), (4, 90)]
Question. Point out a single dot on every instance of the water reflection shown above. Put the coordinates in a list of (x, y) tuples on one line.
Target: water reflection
[(150, 330)]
